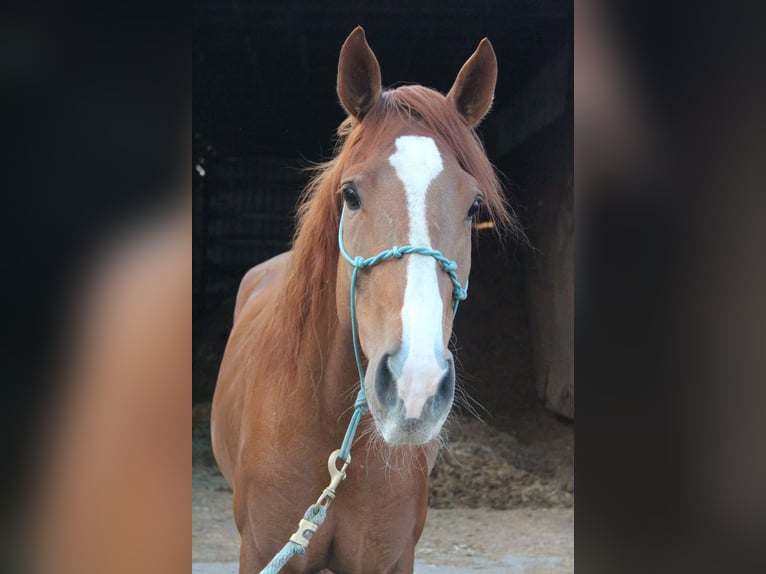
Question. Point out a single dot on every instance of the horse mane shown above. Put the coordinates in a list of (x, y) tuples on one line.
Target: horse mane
[(308, 289)]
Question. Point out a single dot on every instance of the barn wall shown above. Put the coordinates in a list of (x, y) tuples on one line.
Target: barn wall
[(492, 343), (243, 215), (535, 149), (550, 295)]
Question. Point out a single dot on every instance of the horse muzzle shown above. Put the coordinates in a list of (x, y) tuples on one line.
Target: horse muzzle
[(412, 397)]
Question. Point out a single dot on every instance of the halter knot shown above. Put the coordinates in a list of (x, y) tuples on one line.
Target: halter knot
[(448, 265), (396, 252), (359, 262), (459, 293), (361, 400)]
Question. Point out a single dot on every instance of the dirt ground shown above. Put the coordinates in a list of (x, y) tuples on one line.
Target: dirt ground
[(502, 497)]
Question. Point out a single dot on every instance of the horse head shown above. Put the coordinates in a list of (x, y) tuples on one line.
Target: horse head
[(413, 173)]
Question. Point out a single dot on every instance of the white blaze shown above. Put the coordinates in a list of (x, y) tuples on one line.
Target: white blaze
[(417, 163)]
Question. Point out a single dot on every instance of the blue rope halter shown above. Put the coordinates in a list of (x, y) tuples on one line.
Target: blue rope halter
[(459, 293), (316, 513)]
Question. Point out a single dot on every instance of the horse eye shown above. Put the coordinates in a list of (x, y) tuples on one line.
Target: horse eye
[(351, 198), (474, 208)]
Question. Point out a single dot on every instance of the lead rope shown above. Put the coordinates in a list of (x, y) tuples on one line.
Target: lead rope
[(317, 512)]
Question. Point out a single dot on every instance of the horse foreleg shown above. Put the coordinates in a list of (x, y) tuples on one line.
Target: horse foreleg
[(406, 563), (250, 561)]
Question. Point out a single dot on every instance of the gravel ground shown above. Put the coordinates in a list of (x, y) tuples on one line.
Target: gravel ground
[(455, 540), (500, 502)]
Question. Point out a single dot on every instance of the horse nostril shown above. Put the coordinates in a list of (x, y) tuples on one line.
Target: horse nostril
[(385, 384), (446, 389)]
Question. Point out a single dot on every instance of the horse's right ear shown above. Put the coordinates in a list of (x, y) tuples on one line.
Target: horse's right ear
[(359, 84)]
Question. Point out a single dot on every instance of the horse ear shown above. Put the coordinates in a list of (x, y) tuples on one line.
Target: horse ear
[(474, 87), (359, 84)]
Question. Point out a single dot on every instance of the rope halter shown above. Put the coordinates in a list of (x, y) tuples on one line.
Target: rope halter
[(459, 293)]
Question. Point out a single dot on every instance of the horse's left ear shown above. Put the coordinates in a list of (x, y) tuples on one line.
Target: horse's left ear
[(474, 87)]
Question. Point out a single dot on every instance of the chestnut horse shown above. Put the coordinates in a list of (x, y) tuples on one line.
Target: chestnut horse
[(409, 170)]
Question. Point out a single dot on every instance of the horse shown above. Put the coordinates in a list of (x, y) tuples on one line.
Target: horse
[(408, 169)]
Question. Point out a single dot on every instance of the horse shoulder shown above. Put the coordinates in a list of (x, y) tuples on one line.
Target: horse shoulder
[(256, 288), (260, 278)]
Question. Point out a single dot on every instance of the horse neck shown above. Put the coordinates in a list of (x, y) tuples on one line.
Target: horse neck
[(327, 372)]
